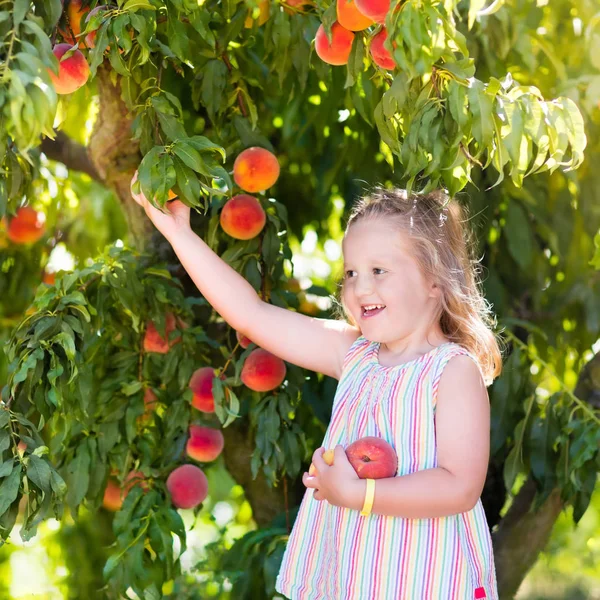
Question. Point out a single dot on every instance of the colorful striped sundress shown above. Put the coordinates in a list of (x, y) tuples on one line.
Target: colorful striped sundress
[(334, 553)]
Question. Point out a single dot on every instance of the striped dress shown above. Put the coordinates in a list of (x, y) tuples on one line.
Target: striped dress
[(334, 553)]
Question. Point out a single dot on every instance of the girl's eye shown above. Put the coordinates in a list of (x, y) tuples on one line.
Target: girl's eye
[(348, 275)]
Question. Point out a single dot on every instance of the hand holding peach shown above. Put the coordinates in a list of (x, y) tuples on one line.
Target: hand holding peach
[(171, 223), (336, 483)]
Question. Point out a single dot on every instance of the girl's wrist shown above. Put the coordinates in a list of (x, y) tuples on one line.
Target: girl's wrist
[(178, 234), (356, 494)]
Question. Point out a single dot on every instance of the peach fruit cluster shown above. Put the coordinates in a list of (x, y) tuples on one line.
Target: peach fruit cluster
[(353, 16)]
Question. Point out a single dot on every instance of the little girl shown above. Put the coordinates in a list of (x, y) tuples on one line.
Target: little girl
[(413, 357)]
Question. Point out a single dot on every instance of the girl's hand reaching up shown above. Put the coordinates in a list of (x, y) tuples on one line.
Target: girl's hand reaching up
[(170, 223), (338, 484)]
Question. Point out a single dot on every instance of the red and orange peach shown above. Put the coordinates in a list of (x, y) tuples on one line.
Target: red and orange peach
[(262, 371), (188, 486), (73, 72), (205, 444), (201, 386), (381, 56), (255, 169), (243, 340), (350, 17), (376, 10), (26, 227), (338, 51), (243, 217), (74, 13), (154, 342)]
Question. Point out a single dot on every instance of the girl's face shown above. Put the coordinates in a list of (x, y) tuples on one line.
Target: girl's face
[(379, 270)]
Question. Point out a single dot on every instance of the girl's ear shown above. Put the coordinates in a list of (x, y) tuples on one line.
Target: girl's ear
[(434, 291)]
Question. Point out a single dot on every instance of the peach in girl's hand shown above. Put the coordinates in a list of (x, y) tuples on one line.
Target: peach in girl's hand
[(327, 457), (372, 458)]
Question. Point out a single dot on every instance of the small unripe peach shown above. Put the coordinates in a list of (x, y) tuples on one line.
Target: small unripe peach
[(205, 443), (26, 227), (338, 51), (73, 72), (327, 456), (262, 371), (154, 342), (243, 217), (350, 17), (255, 169), (201, 386), (187, 486), (380, 54), (243, 340)]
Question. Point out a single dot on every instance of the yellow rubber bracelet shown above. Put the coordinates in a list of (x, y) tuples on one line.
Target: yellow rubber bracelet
[(369, 497)]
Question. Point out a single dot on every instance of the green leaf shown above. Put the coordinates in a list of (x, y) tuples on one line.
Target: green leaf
[(514, 462), (20, 9), (190, 156), (519, 235), (214, 81), (78, 476), (9, 490), (6, 467), (39, 472), (135, 5)]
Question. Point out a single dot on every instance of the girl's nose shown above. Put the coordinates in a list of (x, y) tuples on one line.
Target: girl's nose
[(363, 286)]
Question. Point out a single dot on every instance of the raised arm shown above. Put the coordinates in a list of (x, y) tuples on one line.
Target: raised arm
[(315, 344)]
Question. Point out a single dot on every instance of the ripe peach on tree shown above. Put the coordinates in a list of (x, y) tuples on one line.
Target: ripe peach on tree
[(243, 340), (73, 71), (90, 37), (262, 371), (154, 341), (380, 54), (350, 17), (201, 385), (115, 494), (255, 169), (338, 50), (292, 7), (204, 444), (376, 10), (113, 498), (243, 217), (26, 227), (187, 486), (73, 15)]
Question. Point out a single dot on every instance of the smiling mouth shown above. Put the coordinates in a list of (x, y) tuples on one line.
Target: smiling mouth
[(371, 312)]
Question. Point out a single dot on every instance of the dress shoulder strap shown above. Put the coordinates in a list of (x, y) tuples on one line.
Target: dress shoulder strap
[(356, 352), (442, 358)]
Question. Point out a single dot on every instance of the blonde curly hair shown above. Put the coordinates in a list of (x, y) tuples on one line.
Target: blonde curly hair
[(443, 248)]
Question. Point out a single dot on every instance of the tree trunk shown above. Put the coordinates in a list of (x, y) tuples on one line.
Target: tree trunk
[(116, 156), (521, 536)]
